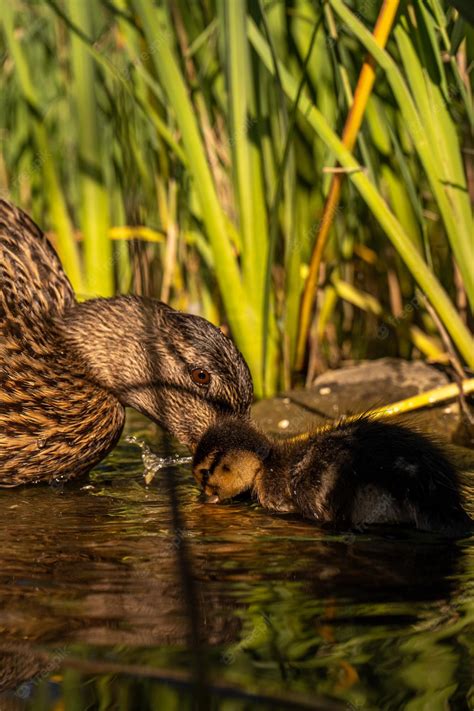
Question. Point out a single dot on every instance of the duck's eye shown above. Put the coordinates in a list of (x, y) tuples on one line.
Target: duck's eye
[(200, 376)]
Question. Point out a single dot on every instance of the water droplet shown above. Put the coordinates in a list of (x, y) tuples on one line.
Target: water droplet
[(152, 462)]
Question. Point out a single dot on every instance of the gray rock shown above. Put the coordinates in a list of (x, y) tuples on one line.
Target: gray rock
[(358, 388)]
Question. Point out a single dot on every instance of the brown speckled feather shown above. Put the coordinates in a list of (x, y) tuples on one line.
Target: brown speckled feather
[(53, 421), (33, 282)]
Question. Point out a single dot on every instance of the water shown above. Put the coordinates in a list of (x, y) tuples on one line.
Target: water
[(95, 591), (152, 463)]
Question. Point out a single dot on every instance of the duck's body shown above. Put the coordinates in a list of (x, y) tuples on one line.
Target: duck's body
[(46, 404), (357, 473), (67, 370), (53, 424)]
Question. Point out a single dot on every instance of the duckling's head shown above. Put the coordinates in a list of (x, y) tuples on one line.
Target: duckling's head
[(228, 459), (176, 368)]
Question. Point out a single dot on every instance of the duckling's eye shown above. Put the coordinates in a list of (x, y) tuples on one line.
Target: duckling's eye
[(200, 376)]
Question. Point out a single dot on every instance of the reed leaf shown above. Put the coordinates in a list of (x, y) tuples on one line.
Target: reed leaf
[(450, 196), (94, 213), (60, 219), (242, 317), (392, 228)]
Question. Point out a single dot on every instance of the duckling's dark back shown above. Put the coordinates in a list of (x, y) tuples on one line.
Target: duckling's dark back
[(366, 459)]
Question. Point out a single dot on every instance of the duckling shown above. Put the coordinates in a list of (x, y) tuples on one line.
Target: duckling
[(68, 369), (359, 471)]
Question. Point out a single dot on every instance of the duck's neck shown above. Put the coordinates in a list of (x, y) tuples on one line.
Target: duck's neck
[(113, 340)]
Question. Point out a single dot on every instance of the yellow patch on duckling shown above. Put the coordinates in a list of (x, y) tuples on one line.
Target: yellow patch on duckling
[(233, 474)]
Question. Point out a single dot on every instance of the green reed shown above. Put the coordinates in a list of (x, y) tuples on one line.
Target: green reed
[(214, 126)]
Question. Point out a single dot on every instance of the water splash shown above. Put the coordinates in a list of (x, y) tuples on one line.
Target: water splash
[(152, 462)]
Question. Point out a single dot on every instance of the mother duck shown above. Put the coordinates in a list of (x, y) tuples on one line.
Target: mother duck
[(68, 369)]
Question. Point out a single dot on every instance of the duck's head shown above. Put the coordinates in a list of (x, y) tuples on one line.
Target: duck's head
[(228, 459), (177, 369)]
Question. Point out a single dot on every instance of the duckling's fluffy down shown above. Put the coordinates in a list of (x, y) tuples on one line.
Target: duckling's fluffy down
[(358, 472)]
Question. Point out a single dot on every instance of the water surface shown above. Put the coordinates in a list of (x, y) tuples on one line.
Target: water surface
[(110, 598)]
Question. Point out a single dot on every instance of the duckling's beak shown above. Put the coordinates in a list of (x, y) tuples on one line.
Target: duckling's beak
[(208, 495), (210, 498), (209, 492)]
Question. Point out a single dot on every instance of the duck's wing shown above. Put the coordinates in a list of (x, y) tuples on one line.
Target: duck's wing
[(33, 285)]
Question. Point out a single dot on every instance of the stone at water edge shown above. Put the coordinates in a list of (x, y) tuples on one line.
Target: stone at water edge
[(360, 387)]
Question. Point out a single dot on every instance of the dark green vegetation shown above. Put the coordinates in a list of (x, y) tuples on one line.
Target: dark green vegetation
[(181, 149)]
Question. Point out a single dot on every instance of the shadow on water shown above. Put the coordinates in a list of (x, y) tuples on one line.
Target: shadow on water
[(94, 613)]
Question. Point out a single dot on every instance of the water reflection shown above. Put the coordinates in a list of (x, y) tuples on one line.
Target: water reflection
[(93, 574)]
